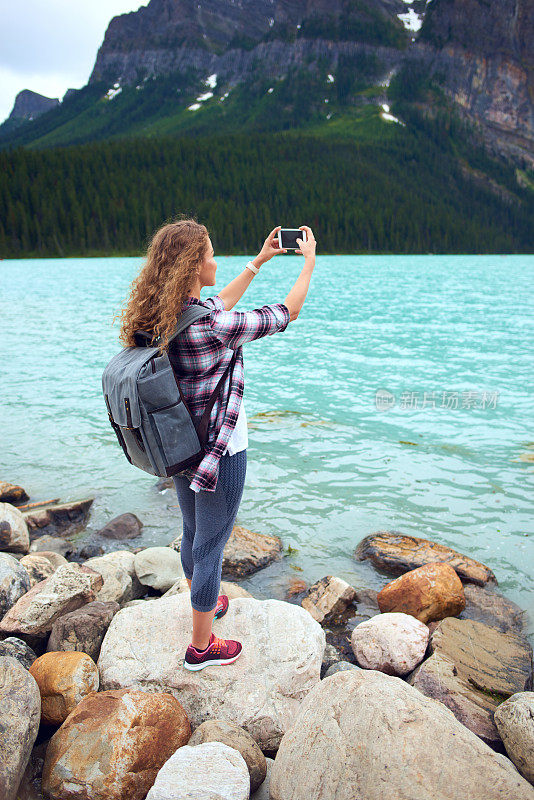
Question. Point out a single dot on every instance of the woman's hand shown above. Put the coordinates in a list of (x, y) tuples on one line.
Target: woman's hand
[(307, 248), (270, 247)]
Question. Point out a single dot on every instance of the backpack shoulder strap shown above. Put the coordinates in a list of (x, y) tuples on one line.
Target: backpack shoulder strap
[(187, 317)]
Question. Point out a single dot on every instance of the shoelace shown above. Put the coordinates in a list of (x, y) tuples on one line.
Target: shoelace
[(217, 644)]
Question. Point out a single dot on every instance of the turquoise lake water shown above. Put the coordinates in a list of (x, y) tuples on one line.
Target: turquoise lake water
[(329, 460)]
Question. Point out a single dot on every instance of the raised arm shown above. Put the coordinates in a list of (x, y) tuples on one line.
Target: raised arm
[(235, 290), (235, 328), (297, 295)]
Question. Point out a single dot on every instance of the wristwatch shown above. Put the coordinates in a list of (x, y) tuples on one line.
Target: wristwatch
[(251, 266)]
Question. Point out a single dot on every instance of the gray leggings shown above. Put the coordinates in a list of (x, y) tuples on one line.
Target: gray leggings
[(208, 519)]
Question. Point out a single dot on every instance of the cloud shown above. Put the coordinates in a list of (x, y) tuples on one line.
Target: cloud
[(51, 46)]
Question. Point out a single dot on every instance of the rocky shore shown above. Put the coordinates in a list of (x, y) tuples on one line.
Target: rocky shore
[(420, 691)]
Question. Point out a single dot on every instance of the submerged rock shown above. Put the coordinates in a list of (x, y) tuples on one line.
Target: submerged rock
[(53, 544)]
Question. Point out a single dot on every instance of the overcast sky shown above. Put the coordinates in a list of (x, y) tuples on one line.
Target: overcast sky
[(50, 46)]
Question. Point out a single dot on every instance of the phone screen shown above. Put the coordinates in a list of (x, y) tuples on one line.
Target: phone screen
[(289, 237)]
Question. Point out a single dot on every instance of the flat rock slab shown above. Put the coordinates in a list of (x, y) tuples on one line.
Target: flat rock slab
[(472, 668), (395, 553), (364, 735), (261, 691), (492, 608), (59, 519)]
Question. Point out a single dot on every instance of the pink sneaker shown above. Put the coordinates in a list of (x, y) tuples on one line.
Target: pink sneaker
[(218, 653)]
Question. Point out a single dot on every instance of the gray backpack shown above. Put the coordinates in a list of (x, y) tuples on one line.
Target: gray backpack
[(147, 408)]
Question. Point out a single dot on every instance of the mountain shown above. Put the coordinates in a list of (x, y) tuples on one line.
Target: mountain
[(28, 106), (235, 39), (171, 58), (390, 126)]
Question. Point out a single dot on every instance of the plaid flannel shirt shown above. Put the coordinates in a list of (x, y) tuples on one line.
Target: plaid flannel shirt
[(201, 354)]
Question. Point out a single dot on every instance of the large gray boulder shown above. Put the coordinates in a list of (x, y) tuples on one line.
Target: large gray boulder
[(367, 735), (20, 714), (158, 567), (14, 582), (261, 691), (14, 534)]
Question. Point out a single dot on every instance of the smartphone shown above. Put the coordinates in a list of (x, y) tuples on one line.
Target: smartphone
[(287, 238)]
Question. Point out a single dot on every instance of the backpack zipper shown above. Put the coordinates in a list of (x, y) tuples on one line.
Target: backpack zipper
[(128, 412)]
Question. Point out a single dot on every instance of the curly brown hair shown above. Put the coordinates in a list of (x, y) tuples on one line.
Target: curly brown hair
[(174, 256)]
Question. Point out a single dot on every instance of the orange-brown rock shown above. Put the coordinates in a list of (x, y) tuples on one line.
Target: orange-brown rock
[(394, 552), (11, 493), (428, 593), (64, 679), (113, 744)]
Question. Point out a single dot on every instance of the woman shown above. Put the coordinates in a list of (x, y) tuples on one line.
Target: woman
[(180, 262)]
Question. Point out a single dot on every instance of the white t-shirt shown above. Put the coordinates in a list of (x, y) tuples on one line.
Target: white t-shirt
[(239, 437)]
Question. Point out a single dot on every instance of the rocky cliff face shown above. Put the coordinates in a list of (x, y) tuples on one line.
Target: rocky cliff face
[(483, 53), (30, 105), (226, 36), (479, 50)]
